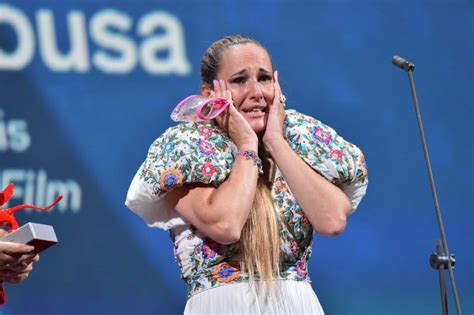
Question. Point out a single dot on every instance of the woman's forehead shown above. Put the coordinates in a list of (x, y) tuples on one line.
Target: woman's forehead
[(247, 56)]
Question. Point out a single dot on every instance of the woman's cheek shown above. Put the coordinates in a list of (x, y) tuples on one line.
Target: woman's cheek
[(235, 96), (238, 100), (269, 94)]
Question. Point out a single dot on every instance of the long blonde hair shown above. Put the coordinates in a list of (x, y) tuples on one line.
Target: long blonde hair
[(260, 239)]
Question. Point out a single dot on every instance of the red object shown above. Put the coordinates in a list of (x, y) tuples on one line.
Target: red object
[(2, 295), (8, 221)]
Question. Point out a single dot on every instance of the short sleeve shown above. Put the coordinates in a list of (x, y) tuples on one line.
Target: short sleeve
[(186, 153), (338, 160)]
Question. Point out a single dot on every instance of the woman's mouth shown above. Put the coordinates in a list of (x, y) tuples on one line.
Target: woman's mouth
[(254, 112)]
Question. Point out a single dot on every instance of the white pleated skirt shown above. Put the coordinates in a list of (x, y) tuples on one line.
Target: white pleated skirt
[(285, 297)]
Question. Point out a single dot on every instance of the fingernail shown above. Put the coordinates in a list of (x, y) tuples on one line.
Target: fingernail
[(215, 82)]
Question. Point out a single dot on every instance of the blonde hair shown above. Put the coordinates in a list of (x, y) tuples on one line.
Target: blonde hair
[(260, 238), (210, 61)]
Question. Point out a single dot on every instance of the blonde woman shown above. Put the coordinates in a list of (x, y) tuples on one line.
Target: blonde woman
[(243, 194)]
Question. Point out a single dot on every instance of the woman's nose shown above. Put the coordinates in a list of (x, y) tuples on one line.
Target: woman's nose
[(255, 89)]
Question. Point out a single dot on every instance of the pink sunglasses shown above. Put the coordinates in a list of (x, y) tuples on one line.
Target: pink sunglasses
[(198, 108)]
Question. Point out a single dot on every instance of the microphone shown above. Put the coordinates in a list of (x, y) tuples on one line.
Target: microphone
[(402, 63), (443, 253)]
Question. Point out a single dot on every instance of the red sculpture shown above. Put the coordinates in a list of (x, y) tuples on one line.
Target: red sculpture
[(7, 220)]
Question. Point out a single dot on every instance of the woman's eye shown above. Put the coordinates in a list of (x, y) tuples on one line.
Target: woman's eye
[(265, 78), (238, 80)]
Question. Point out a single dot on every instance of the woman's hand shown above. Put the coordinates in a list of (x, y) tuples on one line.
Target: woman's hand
[(276, 116), (16, 261), (233, 122)]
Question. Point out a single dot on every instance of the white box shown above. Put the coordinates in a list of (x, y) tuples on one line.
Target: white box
[(41, 236)]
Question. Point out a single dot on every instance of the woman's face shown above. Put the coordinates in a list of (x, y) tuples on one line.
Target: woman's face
[(247, 71)]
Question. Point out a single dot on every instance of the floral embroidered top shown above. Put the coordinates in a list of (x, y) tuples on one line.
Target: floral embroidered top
[(202, 152)]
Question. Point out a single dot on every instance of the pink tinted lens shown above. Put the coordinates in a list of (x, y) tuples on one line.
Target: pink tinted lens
[(212, 108)]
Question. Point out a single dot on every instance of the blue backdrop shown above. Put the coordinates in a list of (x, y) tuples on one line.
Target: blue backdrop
[(85, 87)]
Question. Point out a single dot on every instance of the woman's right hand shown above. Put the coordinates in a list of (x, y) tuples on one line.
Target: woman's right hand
[(233, 122)]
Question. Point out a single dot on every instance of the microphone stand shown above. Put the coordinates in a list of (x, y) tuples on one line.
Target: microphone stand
[(442, 259)]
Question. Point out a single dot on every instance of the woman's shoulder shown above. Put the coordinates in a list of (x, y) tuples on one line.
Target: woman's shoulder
[(185, 153), (189, 153), (193, 141), (297, 119), (191, 132), (337, 159)]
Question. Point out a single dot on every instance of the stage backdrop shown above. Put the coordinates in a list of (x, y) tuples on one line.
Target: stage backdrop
[(86, 86)]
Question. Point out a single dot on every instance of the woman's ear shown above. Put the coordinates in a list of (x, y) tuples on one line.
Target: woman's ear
[(205, 90)]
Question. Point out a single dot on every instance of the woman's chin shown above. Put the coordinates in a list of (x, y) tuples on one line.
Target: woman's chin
[(257, 124)]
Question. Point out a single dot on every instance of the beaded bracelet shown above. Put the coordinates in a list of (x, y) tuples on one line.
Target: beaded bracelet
[(251, 154)]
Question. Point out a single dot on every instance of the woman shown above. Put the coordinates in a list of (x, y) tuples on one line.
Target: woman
[(242, 195)]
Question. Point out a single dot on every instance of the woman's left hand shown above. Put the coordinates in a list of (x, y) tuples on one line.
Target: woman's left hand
[(276, 115)]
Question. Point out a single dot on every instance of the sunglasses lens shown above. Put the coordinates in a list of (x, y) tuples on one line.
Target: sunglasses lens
[(207, 109), (213, 109), (195, 108)]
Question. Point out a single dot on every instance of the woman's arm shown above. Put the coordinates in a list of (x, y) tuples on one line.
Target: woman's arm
[(325, 205), (220, 213)]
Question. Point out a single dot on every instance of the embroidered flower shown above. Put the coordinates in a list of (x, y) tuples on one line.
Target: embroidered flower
[(205, 131), (301, 268), (170, 179), (321, 135), (309, 119), (208, 249), (280, 186), (293, 143), (337, 154), (294, 248), (169, 147), (304, 217), (207, 170), (225, 273), (205, 147)]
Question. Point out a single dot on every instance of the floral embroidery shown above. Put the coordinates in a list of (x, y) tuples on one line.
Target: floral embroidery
[(321, 135), (301, 268), (362, 167), (205, 131), (280, 186), (294, 248), (169, 147), (208, 249), (337, 154), (203, 153), (207, 170), (170, 179), (225, 273), (304, 217), (310, 119), (205, 147)]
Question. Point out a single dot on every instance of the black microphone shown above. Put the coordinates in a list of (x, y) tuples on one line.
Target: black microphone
[(402, 63)]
